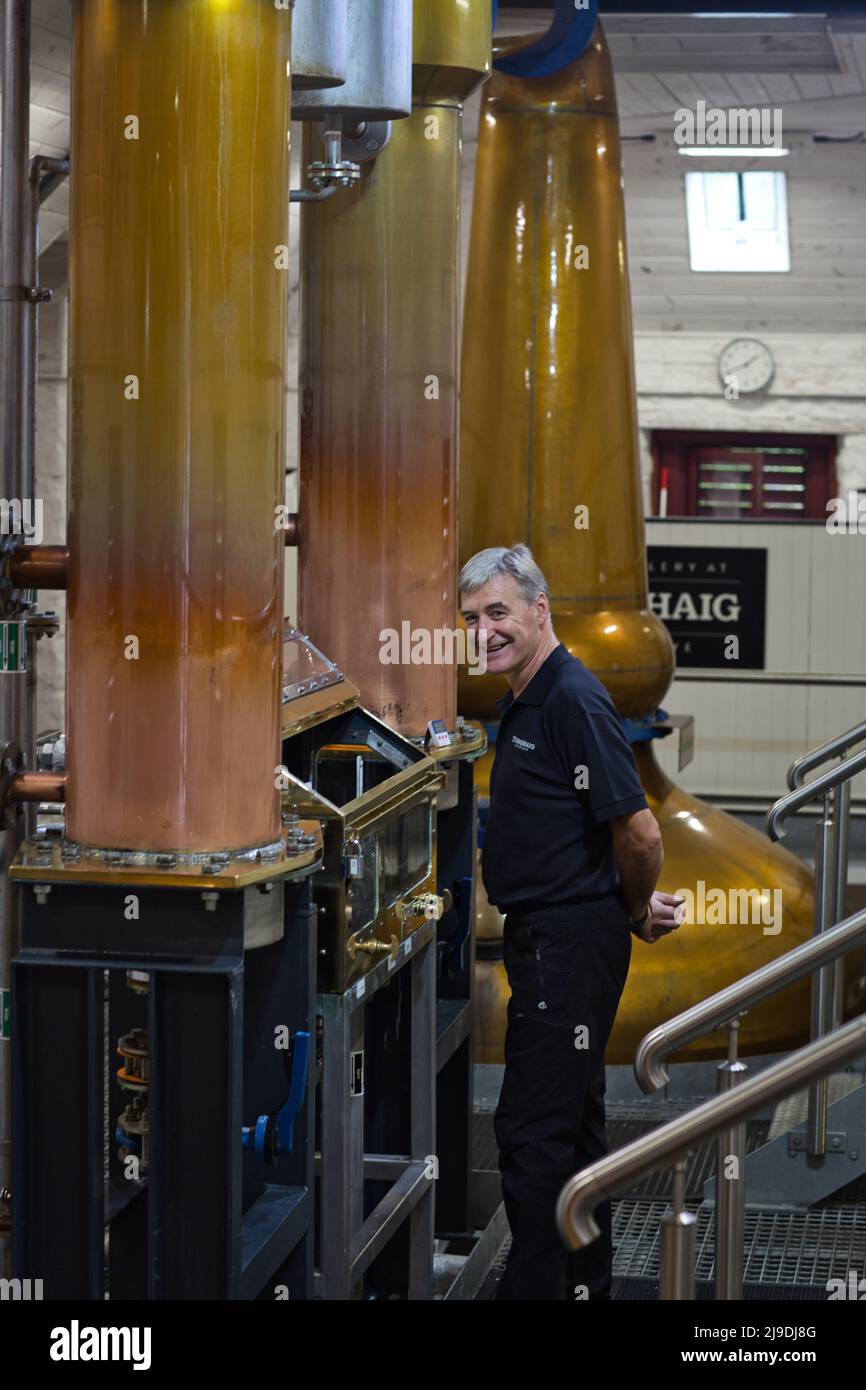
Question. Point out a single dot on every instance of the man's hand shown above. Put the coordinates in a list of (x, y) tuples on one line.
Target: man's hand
[(666, 914)]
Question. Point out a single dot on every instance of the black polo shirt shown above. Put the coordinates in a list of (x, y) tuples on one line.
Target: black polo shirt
[(547, 839)]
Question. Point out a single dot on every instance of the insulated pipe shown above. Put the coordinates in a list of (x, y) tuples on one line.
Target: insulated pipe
[(378, 85), (378, 384), (178, 314), (319, 44)]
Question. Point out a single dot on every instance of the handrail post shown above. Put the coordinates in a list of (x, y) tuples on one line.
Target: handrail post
[(841, 819), (730, 1183), (678, 1243), (823, 979)]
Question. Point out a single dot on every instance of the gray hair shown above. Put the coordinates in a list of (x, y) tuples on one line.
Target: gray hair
[(515, 560)]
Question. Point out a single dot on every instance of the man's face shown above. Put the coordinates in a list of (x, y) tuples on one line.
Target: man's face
[(509, 627)]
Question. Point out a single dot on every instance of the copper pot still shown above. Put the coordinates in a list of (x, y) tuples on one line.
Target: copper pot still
[(548, 427)]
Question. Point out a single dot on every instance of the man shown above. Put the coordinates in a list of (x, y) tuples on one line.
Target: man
[(571, 855)]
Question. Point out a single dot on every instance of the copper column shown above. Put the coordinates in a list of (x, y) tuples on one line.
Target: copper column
[(378, 381), (549, 412), (549, 456), (179, 210)]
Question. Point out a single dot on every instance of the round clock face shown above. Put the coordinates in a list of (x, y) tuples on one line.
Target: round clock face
[(749, 362)]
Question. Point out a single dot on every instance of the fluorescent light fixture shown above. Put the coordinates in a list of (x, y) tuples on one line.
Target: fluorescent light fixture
[(733, 151)]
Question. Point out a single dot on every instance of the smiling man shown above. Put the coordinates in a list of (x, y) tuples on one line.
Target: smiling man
[(571, 857)]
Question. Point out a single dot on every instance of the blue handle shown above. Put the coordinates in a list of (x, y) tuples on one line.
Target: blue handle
[(256, 1136), (297, 1091)]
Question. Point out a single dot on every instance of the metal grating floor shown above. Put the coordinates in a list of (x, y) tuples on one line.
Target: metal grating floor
[(782, 1247), (627, 1122), (786, 1249)]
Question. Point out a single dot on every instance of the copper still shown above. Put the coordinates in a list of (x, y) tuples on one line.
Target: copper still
[(378, 385), (549, 456), (178, 318)]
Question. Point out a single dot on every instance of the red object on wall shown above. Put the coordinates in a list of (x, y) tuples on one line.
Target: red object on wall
[(721, 475)]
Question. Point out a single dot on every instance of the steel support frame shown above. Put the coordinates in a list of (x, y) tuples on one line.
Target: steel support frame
[(351, 1241), (204, 1224)]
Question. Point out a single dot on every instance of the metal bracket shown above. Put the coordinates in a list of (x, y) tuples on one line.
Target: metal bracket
[(837, 1142), (31, 294)]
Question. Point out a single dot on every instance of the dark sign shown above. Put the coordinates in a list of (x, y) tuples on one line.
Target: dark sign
[(712, 601)]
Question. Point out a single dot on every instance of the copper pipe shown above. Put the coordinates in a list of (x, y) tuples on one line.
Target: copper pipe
[(39, 566), (37, 786), (178, 342)]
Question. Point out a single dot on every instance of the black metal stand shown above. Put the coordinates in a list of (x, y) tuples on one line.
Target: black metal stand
[(209, 1219)]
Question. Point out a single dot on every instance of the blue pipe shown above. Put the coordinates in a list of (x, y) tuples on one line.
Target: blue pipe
[(564, 42)]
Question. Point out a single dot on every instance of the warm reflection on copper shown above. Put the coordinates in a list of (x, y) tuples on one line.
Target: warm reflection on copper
[(548, 427), (178, 313), (39, 566), (548, 405), (37, 786), (378, 382)]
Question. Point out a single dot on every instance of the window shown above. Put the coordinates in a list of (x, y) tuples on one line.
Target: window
[(728, 476), (738, 221)]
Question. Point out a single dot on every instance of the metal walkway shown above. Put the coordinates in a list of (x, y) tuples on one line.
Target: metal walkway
[(790, 1253)]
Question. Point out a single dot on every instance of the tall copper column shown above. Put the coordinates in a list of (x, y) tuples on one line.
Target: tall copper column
[(178, 294), (378, 380), (549, 413), (548, 429)]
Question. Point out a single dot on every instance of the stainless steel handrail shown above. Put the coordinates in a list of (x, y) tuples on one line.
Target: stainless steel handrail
[(821, 957), (792, 801), (719, 1009), (831, 865), (831, 876), (724, 1115), (585, 1190), (823, 753)]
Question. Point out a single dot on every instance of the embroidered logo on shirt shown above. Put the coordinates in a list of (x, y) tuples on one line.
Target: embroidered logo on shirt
[(522, 742)]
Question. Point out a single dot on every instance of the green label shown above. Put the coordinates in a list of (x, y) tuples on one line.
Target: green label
[(13, 647), (5, 1026)]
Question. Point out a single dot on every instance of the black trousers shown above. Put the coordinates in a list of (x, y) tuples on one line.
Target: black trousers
[(567, 968)]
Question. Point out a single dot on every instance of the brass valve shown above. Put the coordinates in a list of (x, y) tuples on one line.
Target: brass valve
[(429, 905), (373, 947)]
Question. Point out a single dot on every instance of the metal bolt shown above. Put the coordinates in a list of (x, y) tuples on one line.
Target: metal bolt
[(41, 891), (210, 901)]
